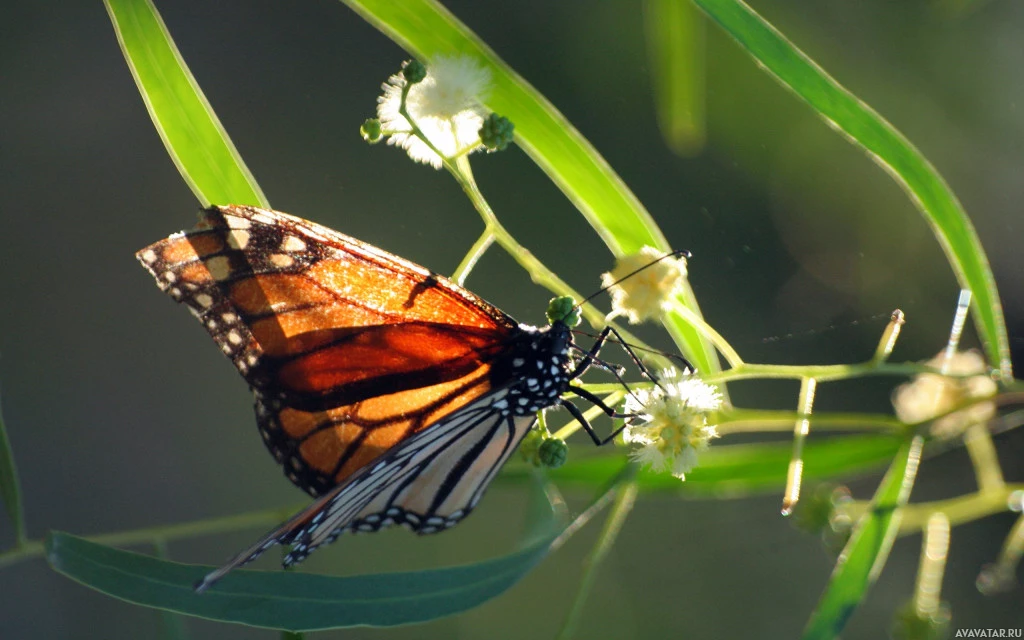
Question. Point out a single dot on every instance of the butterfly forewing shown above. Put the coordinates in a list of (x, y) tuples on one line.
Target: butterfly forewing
[(332, 334)]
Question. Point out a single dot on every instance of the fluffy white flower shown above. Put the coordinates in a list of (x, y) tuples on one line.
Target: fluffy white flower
[(646, 294), (445, 105), (931, 394), (672, 426)]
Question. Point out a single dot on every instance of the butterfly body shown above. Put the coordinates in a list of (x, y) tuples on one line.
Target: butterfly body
[(384, 390)]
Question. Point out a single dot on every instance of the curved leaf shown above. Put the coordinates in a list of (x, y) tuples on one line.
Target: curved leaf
[(194, 137), (890, 149), (285, 600)]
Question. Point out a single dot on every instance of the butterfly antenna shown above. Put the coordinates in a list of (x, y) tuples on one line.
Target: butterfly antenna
[(678, 253)]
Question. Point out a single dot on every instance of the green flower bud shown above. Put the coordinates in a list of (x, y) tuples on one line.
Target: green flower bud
[(371, 130), (563, 309), (496, 132), (414, 71), (553, 452)]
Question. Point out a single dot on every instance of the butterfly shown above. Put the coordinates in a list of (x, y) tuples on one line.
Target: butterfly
[(386, 391)]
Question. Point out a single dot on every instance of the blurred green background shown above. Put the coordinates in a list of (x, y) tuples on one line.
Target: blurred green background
[(123, 415)]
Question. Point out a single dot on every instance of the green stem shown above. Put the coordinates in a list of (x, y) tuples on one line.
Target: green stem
[(959, 510), (475, 252), (539, 273), (166, 533), (984, 459), (823, 373)]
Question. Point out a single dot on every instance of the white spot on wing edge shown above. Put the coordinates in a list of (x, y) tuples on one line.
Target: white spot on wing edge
[(204, 300), (235, 222), (293, 244), (238, 239)]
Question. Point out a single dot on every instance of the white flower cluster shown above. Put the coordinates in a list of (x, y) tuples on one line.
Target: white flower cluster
[(648, 293), (445, 105), (930, 394), (672, 424)]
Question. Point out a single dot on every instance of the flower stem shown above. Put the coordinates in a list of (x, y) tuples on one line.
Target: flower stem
[(475, 252), (166, 533), (959, 510)]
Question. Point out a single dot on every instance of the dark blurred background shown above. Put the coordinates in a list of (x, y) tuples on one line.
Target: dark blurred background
[(122, 414)]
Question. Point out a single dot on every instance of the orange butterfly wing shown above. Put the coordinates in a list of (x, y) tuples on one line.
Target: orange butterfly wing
[(349, 349)]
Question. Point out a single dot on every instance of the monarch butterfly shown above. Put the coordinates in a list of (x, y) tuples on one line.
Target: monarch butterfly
[(386, 391)]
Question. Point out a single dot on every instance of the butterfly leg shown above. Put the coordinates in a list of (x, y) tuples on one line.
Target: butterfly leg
[(590, 358), (575, 412)]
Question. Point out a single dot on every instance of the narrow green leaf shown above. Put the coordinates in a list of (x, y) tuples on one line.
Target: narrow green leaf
[(426, 29), (286, 600), (868, 549), (727, 471), (10, 490), (194, 137), (675, 49), (890, 149)]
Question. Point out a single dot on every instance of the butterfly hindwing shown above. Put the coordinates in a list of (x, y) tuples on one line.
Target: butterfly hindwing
[(428, 482)]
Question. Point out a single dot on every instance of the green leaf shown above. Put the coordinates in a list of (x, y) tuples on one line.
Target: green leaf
[(10, 490), (866, 552), (426, 29), (285, 600), (193, 135), (735, 470), (675, 49), (890, 149)]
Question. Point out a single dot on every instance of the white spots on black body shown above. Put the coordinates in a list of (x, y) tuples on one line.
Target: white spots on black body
[(518, 362), (149, 256), (170, 276)]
